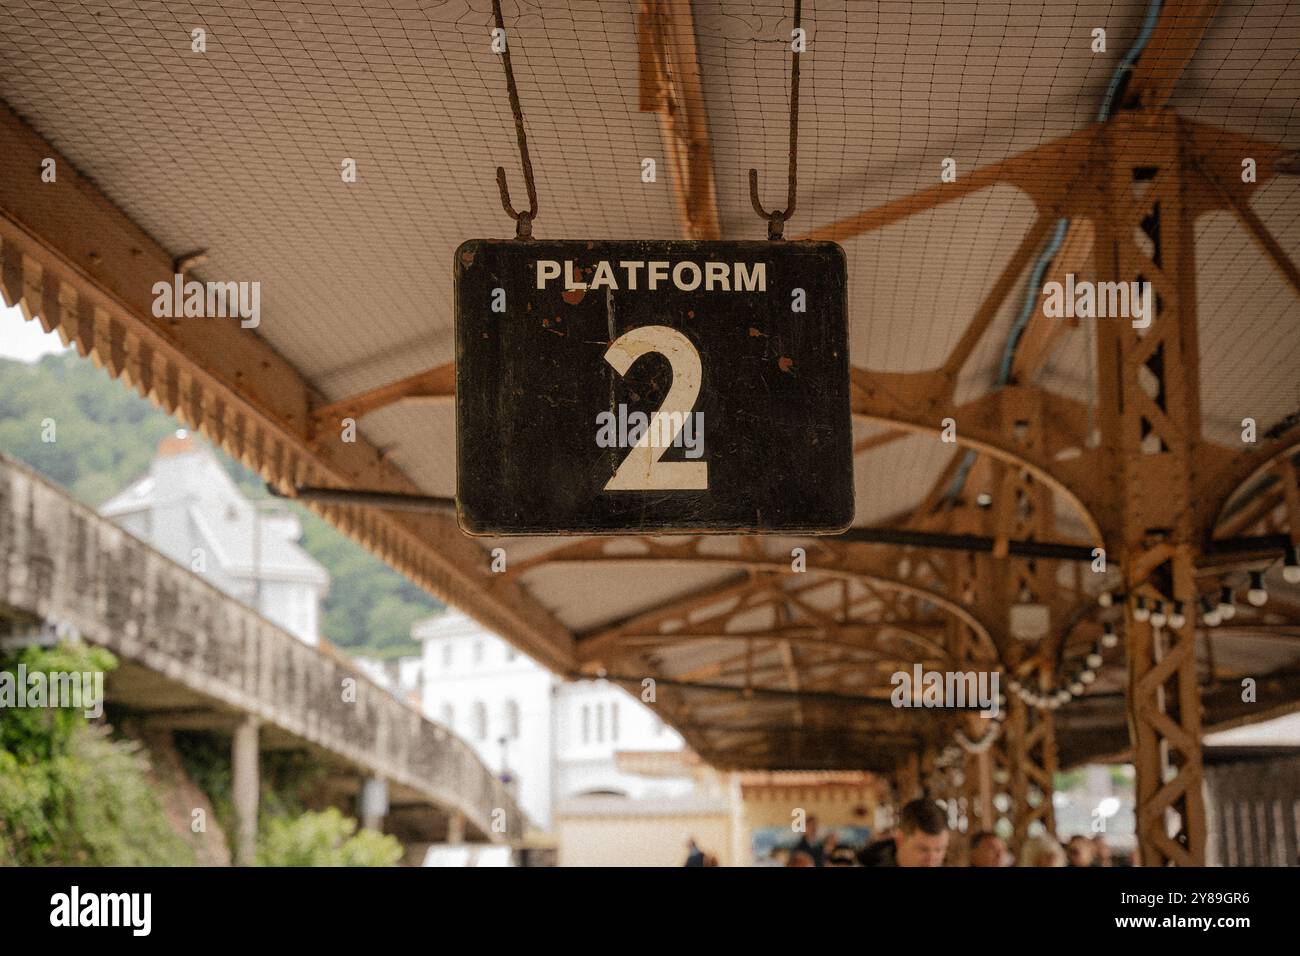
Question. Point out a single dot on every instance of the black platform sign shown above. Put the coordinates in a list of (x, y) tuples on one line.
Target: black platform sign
[(637, 386)]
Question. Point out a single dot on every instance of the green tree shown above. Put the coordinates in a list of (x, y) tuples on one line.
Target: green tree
[(105, 436), (71, 795), (327, 838)]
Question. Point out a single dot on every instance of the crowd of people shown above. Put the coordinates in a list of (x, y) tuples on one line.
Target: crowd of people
[(921, 837)]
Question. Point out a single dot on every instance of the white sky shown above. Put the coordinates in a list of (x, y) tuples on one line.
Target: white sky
[(23, 340)]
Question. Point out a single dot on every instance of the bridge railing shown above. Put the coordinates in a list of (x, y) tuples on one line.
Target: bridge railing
[(62, 562)]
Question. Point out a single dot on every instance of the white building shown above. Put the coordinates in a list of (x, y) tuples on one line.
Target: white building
[(400, 676), (555, 739), (188, 508)]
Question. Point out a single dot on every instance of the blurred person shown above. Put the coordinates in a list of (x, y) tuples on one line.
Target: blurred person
[(694, 855), (1102, 849), (842, 856), (809, 844), (920, 839), (800, 858), (988, 849), (780, 856), (1080, 851), (1041, 851)]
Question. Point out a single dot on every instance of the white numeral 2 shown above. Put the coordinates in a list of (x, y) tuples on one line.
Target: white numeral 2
[(642, 470)]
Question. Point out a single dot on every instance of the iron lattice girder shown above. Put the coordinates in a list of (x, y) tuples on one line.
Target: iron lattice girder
[(1062, 178), (1149, 439), (912, 576)]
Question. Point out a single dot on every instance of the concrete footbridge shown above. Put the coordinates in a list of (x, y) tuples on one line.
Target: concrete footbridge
[(192, 658)]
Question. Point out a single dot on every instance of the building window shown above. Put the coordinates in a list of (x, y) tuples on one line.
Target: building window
[(586, 723), (613, 721), (449, 715), (512, 720), (600, 723), (478, 652), (480, 721), (446, 654)]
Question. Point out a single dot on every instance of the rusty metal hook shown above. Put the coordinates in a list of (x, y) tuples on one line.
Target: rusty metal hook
[(523, 220), (776, 219)]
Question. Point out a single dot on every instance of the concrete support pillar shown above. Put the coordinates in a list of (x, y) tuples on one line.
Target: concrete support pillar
[(373, 803), (456, 827), (245, 787), (742, 851)]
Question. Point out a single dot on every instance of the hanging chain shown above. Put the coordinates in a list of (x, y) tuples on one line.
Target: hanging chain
[(776, 219), (523, 220)]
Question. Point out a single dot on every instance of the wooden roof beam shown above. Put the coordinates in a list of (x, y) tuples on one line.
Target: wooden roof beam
[(72, 258), (670, 86)]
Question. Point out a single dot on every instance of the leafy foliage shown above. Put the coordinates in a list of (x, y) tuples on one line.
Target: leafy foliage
[(105, 436), (71, 795), (327, 838)]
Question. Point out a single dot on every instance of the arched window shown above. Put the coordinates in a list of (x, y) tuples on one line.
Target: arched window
[(446, 654), (586, 723), (613, 721), (512, 720), (480, 720)]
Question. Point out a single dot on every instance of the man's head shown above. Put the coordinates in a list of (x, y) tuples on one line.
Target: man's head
[(922, 837), (810, 828), (1103, 850), (1080, 851), (987, 849)]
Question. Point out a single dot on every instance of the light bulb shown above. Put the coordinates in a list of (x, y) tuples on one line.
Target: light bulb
[(1063, 696), (1158, 617), (1213, 618), (1291, 565), (1077, 688), (1178, 618), (1087, 676), (1108, 636), (1141, 613), (1227, 609), (1257, 596), (1093, 659), (1106, 599)]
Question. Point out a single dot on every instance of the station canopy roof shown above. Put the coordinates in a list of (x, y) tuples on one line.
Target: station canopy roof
[(236, 152)]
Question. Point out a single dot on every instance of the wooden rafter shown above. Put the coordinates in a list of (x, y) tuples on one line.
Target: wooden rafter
[(438, 384), (670, 86)]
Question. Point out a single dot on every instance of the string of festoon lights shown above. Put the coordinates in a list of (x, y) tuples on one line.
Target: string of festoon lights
[(1079, 682), (1216, 608)]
